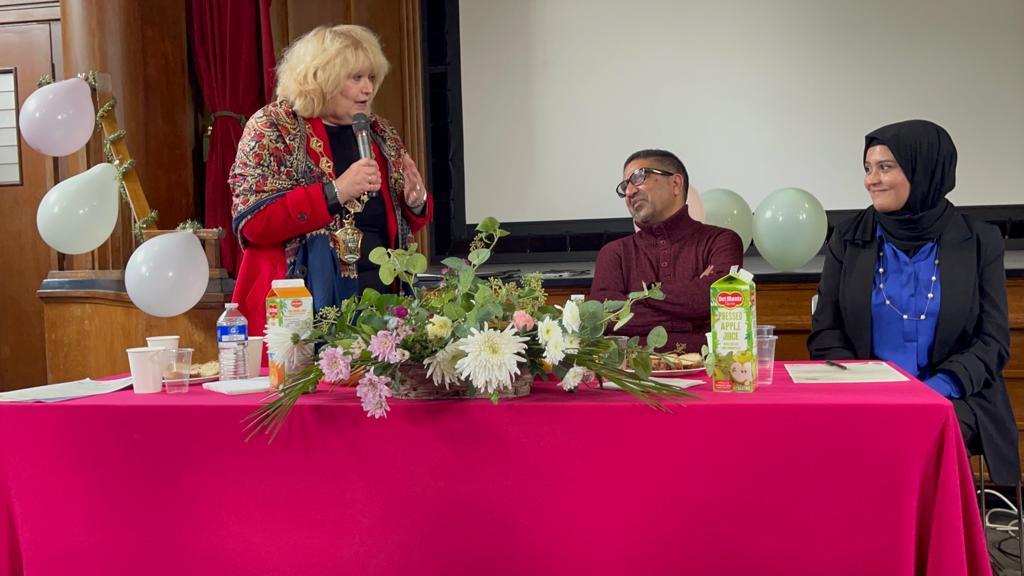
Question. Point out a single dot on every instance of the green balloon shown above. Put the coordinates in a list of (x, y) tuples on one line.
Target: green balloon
[(789, 228), (727, 209)]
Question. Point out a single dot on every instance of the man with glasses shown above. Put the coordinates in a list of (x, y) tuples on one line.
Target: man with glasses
[(669, 247)]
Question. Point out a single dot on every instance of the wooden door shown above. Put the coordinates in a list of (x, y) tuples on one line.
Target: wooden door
[(25, 49)]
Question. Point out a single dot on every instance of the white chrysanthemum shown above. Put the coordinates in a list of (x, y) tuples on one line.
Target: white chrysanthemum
[(571, 317), (441, 366), (554, 348), (573, 377), (547, 329), (279, 340), (491, 358), (572, 343), (283, 347), (439, 327)]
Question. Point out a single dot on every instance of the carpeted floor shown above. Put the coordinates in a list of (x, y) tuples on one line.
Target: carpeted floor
[(1003, 549)]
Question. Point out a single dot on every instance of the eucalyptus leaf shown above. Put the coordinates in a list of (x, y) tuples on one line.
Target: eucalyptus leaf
[(454, 263), (466, 277), (488, 311), (369, 297), (642, 366), (613, 305), (454, 312), (378, 255), (417, 263), (479, 256), (622, 321), (387, 273), (488, 225), (657, 337)]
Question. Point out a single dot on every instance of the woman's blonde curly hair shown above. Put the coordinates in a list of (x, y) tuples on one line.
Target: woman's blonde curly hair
[(314, 67)]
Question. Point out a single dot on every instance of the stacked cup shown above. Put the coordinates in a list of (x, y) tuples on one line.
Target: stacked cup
[(766, 340), (175, 363)]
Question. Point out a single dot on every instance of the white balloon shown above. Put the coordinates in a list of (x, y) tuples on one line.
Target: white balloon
[(695, 203), (167, 275), (77, 215), (58, 118)]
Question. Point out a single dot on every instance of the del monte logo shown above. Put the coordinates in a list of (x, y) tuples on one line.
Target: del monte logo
[(730, 299)]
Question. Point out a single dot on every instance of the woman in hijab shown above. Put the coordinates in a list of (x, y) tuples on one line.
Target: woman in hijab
[(934, 283)]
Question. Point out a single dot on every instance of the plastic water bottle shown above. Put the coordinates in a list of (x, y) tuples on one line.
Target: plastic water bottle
[(232, 334)]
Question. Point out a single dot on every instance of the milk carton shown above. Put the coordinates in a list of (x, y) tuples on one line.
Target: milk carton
[(289, 304), (733, 329)]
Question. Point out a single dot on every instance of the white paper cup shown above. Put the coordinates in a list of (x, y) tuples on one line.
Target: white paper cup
[(253, 355), (170, 342), (146, 365)]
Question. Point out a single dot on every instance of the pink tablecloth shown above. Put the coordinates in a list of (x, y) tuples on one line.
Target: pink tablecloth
[(794, 479)]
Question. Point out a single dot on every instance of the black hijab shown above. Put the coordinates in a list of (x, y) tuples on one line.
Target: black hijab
[(927, 156)]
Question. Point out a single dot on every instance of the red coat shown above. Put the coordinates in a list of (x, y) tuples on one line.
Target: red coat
[(299, 211)]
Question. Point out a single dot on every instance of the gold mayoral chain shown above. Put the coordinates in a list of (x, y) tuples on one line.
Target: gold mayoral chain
[(350, 238)]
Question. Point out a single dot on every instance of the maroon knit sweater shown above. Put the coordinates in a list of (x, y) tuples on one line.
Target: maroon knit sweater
[(673, 252)]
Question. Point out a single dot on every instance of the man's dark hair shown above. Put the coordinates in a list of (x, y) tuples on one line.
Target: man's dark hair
[(664, 160)]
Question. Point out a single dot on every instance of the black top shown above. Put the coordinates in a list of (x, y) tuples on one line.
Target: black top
[(972, 337), (372, 221)]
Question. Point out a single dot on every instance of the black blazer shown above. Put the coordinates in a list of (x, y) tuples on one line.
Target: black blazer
[(972, 336)]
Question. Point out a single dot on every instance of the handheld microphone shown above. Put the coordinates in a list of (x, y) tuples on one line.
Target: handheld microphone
[(361, 126)]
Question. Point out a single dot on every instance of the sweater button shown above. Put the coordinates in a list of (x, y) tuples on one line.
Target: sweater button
[(302, 216), (664, 264)]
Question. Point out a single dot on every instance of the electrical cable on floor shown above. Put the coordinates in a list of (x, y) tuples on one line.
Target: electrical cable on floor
[(1009, 553), (1011, 526)]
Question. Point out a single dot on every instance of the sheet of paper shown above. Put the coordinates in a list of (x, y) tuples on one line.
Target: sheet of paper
[(244, 386), (681, 383), (856, 372), (65, 390)]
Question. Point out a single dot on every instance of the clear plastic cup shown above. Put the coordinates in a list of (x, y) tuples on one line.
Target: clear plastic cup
[(765, 358), (178, 364), (765, 330)]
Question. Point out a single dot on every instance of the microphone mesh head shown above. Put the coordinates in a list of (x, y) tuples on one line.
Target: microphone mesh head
[(361, 122)]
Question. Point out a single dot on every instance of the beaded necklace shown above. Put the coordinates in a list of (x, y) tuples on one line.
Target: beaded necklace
[(888, 301)]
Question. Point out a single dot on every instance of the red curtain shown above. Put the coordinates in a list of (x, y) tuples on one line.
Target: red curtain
[(232, 52)]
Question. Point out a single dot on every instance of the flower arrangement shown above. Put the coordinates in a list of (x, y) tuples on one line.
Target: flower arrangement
[(466, 332)]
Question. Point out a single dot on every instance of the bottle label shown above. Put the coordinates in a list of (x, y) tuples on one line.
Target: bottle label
[(232, 333)]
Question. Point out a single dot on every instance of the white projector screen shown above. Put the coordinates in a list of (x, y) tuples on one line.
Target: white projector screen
[(753, 96)]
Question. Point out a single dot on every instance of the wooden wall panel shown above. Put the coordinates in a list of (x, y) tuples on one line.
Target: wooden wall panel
[(92, 332), (144, 47), (25, 47)]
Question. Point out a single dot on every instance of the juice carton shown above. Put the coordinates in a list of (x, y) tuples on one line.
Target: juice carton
[(289, 304), (733, 329)]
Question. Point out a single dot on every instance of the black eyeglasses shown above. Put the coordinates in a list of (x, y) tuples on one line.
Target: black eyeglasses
[(637, 178)]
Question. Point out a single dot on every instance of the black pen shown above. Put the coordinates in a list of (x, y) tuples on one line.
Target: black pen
[(836, 364)]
